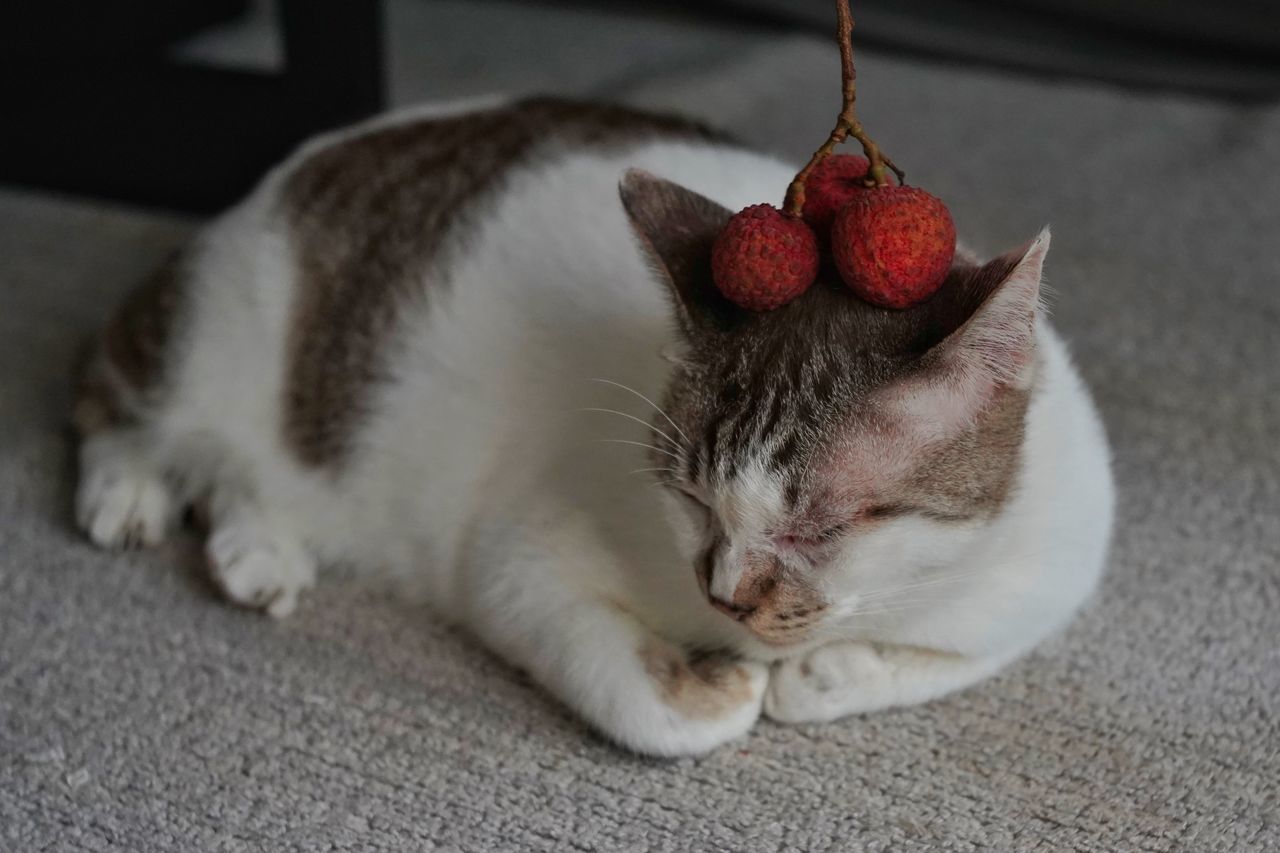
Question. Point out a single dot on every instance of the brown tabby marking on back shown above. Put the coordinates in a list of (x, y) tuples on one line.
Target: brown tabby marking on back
[(371, 214), (705, 687), (128, 367)]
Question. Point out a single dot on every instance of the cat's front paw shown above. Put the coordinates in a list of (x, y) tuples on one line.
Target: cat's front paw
[(123, 507), (259, 567), (703, 700), (826, 683)]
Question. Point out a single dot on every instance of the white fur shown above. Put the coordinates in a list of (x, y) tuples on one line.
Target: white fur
[(483, 482), (121, 500)]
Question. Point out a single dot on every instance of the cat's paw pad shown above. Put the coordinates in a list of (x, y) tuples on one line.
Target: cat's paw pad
[(120, 508), (803, 689), (259, 568)]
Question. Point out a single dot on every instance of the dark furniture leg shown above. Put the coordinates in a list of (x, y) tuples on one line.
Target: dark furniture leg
[(150, 131)]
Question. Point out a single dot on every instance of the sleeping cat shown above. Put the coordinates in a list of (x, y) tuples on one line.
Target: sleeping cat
[(480, 350)]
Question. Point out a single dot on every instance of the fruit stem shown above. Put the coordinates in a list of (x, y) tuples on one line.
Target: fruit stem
[(847, 124)]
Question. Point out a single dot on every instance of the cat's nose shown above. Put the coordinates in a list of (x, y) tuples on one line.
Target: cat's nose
[(728, 608)]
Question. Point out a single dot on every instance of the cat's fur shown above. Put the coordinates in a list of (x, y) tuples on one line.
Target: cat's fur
[(404, 349)]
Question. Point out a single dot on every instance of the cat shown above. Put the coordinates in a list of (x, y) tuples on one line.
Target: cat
[(479, 348)]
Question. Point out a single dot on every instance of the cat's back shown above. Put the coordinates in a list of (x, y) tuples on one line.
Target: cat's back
[(422, 274), (298, 291), (377, 220)]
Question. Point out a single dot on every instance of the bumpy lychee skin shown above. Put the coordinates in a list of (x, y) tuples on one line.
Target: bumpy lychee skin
[(763, 258), (894, 245), (831, 185)]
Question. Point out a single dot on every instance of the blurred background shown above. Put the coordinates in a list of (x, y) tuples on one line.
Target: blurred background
[(184, 104)]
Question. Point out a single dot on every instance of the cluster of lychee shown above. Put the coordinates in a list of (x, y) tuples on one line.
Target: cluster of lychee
[(891, 244)]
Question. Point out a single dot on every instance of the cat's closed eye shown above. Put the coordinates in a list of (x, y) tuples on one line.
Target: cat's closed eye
[(788, 541), (881, 511), (694, 503), (810, 541), (827, 536)]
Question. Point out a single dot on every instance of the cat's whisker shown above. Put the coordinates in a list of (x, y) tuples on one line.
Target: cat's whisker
[(665, 483), (891, 595), (648, 470), (942, 580), (640, 421), (885, 601), (906, 604), (672, 454), (852, 631), (658, 408), (862, 608)]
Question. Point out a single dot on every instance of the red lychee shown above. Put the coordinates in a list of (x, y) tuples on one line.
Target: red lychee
[(830, 186), (763, 258), (894, 245)]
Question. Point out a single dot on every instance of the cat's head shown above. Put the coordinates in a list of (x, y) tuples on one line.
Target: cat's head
[(830, 457)]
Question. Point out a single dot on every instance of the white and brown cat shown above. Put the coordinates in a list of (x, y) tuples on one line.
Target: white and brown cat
[(481, 350)]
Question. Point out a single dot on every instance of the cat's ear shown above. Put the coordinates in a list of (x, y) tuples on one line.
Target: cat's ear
[(676, 228), (994, 346), (991, 351)]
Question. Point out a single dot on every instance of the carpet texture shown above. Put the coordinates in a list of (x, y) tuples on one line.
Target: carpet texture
[(139, 713)]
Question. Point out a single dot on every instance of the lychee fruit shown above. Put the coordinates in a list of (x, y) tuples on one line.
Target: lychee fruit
[(763, 259), (894, 245), (830, 186)]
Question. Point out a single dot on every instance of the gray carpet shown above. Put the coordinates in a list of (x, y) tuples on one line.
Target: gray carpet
[(139, 713)]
